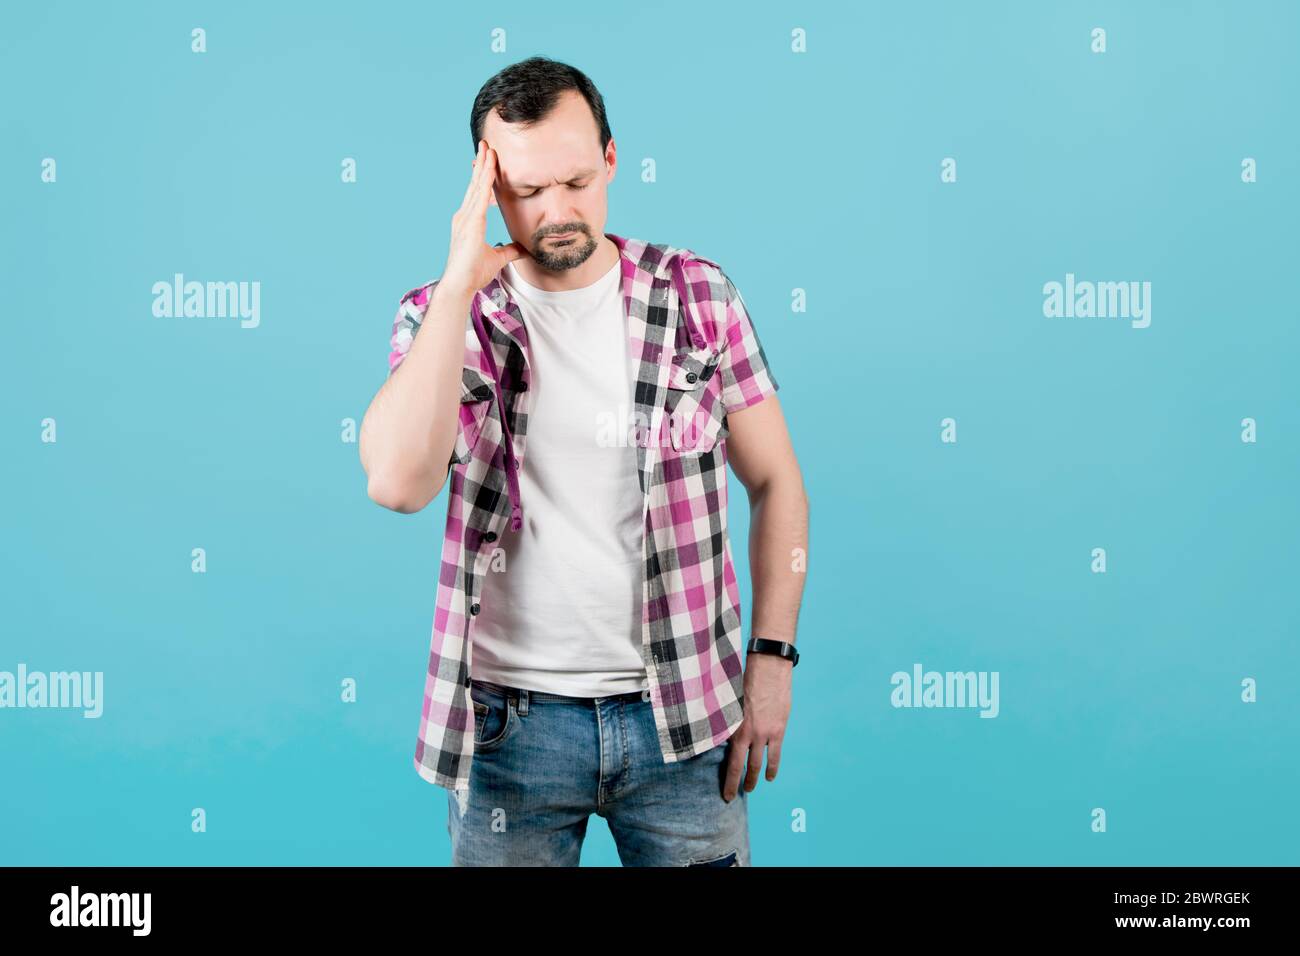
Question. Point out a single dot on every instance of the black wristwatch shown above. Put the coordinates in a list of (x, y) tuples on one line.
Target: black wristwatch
[(761, 645)]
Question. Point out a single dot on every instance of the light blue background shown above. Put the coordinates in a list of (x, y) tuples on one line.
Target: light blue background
[(818, 171)]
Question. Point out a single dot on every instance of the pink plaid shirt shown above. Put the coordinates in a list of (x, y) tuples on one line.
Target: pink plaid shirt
[(694, 364)]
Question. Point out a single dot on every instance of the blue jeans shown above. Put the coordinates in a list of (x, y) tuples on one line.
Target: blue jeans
[(543, 763)]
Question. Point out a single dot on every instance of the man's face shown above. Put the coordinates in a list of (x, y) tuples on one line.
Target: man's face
[(551, 179)]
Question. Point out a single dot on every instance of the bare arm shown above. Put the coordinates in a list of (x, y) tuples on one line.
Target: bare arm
[(760, 453), (409, 430)]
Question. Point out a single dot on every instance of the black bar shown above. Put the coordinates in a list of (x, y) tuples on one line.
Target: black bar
[(664, 907)]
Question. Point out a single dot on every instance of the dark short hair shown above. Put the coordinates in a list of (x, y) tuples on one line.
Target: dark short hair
[(525, 92)]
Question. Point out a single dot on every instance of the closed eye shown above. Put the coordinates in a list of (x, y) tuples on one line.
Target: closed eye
[(572, 186)]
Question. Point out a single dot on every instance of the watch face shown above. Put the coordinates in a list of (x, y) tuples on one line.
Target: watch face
[(775, 648)]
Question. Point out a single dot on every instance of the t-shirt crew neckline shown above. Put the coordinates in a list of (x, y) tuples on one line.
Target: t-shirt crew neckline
[(513, 278)]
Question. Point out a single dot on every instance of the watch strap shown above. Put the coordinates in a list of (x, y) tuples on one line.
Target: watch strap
[(763, 645)]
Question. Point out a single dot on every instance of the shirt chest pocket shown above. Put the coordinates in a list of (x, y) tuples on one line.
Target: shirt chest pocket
[(477, 405), (694, 417)]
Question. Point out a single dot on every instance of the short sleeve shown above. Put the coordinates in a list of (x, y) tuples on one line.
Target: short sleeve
[(410, 314), (406, 325), (746, 376)]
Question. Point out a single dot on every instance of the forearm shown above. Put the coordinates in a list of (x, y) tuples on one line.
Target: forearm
[(778, 550), (409, 431)]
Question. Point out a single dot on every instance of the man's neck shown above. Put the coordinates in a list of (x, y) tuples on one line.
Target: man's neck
[(600, 262)]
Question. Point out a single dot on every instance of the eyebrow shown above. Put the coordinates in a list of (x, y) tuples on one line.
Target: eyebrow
[(580, 174)]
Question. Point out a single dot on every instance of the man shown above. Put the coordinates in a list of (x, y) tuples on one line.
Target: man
[(583, 394)]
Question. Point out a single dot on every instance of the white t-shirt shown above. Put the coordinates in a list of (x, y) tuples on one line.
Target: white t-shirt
[(565, 614)]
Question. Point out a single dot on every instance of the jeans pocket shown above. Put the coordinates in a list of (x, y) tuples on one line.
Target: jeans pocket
[(494, 716)]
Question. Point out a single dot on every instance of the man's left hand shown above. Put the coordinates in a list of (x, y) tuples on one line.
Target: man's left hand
[(767, 710)]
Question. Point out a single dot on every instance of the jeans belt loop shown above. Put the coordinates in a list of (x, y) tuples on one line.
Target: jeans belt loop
[(521, 703)]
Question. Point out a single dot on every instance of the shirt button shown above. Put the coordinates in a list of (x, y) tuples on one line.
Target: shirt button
[(690, 376), (490, 537), (473, 608)]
